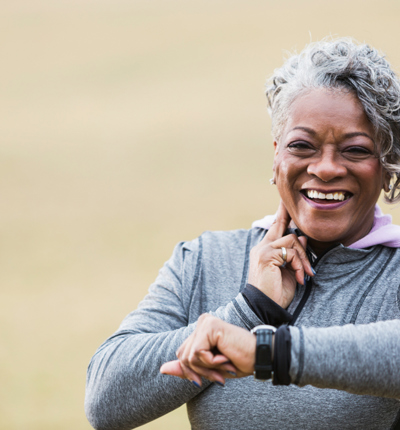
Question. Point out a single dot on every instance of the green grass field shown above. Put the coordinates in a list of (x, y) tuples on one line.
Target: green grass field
[(126, 127)]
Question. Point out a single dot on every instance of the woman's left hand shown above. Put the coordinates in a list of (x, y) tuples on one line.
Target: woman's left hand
[(197, 358), (273, 272)]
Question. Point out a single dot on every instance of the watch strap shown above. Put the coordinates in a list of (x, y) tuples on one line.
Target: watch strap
[(263, 361)]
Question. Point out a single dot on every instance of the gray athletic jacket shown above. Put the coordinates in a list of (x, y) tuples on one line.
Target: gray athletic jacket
[(345, 357)]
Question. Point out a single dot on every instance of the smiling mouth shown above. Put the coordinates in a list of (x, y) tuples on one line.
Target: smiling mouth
[(317, 195)]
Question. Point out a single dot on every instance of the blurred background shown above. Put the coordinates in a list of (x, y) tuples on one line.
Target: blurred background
[(126, 127)]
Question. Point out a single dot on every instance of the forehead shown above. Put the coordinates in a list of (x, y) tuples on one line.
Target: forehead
[(328, 111)]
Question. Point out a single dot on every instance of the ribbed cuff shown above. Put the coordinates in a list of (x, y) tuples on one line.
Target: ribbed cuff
[(265, 308), (282, 356)]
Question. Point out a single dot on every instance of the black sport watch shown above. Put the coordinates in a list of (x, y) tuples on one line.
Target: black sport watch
[(263, 364)]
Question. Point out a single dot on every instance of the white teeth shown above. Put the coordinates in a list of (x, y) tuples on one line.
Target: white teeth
[(313, 194)]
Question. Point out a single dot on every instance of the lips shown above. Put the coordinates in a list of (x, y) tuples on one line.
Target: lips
[(327, 196), (328, 200)]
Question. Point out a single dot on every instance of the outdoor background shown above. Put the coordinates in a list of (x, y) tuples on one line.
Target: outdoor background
[(126, 127)]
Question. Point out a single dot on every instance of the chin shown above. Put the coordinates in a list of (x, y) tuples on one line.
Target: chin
[(326, 239), (324, 235)]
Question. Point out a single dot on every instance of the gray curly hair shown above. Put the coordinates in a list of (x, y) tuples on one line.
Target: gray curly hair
[(345, 65)]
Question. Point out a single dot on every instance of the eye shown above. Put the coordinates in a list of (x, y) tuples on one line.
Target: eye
[(357, 152), (301, 148)]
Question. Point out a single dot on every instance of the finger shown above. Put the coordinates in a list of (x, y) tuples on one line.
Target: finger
[(207, 368), (292, 262), (228, 370), (176, 368), (202, 339), (191, 375), (185, 346), (208, 358), (291, 241), (198, 340), (295, 263), (278, 228), (213, 375), (219, 362), (172, 368), (187, 371), (192, 366), (303, 243)]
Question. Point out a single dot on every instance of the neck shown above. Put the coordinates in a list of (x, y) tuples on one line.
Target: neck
[(319, 248)]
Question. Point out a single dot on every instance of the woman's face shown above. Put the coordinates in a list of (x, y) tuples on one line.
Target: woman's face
[(326, 167)]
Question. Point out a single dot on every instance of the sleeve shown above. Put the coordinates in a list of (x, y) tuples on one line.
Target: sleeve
[(359, 359), (124, 387)]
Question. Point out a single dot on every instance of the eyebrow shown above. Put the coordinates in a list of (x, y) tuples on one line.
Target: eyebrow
[(347, 135)]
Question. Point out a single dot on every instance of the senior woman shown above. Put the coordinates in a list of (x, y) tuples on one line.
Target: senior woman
[(324, 271)]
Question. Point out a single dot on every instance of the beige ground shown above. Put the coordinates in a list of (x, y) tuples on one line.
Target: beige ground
[(127, 126)]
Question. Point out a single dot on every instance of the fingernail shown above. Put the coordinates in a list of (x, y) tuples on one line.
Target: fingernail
[(219, 383), (312, 270), (197, 385), (231, 373)]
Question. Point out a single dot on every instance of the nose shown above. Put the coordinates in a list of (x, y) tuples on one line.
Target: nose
[(327, 166)]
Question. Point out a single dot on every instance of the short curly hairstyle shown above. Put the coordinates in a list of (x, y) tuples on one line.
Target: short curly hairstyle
[(345, 65)]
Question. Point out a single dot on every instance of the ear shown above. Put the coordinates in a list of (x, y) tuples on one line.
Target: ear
[(275, 154), (386, 181)]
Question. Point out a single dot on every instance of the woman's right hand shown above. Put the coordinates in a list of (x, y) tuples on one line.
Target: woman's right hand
[(266, 259), (197, 356)]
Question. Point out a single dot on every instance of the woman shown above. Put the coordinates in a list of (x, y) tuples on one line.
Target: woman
[(325, 271)]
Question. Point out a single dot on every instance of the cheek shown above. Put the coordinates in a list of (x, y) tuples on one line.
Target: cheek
[(282, 168), (286, 176), (281, 176), (287, 172), (373, 175)]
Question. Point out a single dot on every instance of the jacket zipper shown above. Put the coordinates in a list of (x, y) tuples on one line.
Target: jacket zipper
[(308, 285)]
